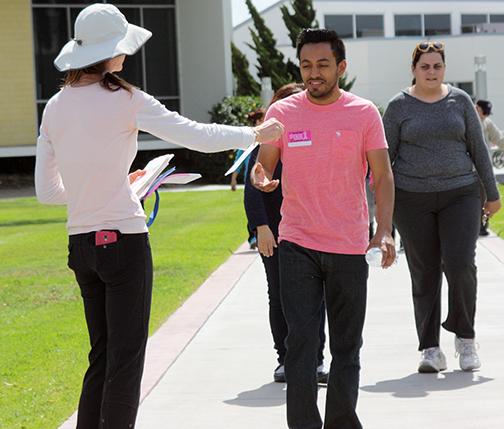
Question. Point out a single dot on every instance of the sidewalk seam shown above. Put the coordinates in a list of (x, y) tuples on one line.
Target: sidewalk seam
[(208, 316)]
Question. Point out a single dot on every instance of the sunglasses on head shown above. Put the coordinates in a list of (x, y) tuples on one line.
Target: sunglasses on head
[(426, 46)]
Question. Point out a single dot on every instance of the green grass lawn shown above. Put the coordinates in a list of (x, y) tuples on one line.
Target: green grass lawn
[(43, 338), (497, 221)]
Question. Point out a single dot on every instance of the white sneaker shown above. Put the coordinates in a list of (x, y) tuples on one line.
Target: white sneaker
[(279, 374), (465, 350), (433, 360), (322, 374)]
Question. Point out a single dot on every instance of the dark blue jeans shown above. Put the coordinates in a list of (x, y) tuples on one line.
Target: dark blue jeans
[(116, 286), (278, 325), (306, 276)]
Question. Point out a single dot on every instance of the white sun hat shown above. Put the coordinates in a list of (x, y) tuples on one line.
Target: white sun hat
[(101, 33)]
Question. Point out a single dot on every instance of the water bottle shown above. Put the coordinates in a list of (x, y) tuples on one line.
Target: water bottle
[(374, 257)]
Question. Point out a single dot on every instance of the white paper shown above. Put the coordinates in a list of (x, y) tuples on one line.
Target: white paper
[(181, 178), (241, 158), (152, 170)]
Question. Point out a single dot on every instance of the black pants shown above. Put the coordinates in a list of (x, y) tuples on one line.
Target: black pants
[(439, 231), (116, 286), (277, 321), (305, 275)]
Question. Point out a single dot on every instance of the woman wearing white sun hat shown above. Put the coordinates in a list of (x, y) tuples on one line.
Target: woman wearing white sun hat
[(87, 142)]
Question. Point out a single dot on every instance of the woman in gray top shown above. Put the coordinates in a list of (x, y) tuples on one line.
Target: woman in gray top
[(437, 149)]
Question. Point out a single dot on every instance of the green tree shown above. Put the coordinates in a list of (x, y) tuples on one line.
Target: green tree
[(303, 16), (346, 84), (271, 60), (245, 83)]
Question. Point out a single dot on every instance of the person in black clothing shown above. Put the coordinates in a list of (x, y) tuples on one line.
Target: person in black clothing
[(263, 214)]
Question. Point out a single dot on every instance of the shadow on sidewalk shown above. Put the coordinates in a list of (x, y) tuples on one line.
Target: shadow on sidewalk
[(420, 385), (268, 395)]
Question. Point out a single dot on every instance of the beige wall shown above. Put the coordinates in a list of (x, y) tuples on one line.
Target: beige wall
[(204, 43), (17, 86)]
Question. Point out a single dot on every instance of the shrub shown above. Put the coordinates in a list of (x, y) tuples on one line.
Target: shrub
[(212, 166)]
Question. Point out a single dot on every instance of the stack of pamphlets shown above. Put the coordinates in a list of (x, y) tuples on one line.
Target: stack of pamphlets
[(155, 176)]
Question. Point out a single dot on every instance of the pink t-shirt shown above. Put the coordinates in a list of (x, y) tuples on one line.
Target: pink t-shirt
[(323, 151)]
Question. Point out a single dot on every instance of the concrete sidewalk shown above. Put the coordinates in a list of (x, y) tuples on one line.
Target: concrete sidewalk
[(222, 376)]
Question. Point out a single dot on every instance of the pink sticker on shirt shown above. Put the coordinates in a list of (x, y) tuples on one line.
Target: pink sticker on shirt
[(299, 138)]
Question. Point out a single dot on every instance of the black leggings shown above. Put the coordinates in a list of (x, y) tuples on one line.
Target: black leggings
[(116, 286), (439, 231)]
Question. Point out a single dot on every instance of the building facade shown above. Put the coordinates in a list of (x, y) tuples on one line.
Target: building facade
[(186, 64), (381, 35)]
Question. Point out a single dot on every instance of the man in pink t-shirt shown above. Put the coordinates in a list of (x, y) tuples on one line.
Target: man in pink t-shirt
[(331, 137)]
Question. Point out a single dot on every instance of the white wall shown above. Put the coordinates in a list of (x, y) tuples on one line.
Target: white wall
[(382, 65), (204, 40)]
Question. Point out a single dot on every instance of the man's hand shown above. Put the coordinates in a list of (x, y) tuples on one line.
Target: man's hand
[(269, 130), (135, 175), (385, 242), (260, 181), (265, 241)]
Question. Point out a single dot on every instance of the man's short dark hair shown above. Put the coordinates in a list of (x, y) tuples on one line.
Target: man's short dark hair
[(322, 35)]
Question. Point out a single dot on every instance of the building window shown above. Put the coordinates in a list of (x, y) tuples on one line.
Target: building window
[(369, 25), (116, 2), (495, 19), (436, 25), (342, 24), (408, 25), (350, 26), (422, 25), (469, 22), (465, 86), (154, 68)]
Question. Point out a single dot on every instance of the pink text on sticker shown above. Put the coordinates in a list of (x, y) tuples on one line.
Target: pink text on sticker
[(299, 136)]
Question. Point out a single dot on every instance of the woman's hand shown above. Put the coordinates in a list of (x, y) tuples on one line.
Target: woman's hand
[(260, 181), (491, 207), (265, 241), (269, 130), (135, 175)]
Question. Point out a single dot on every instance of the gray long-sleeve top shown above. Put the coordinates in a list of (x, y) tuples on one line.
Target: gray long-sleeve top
[(437, 146)]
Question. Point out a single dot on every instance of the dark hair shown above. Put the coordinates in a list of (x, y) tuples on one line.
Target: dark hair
[(286, 91), (485, 106), (110, 81), (418, 54), (256, 115), (321, 35)]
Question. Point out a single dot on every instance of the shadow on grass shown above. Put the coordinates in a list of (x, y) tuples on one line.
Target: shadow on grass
[(26, 222)]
